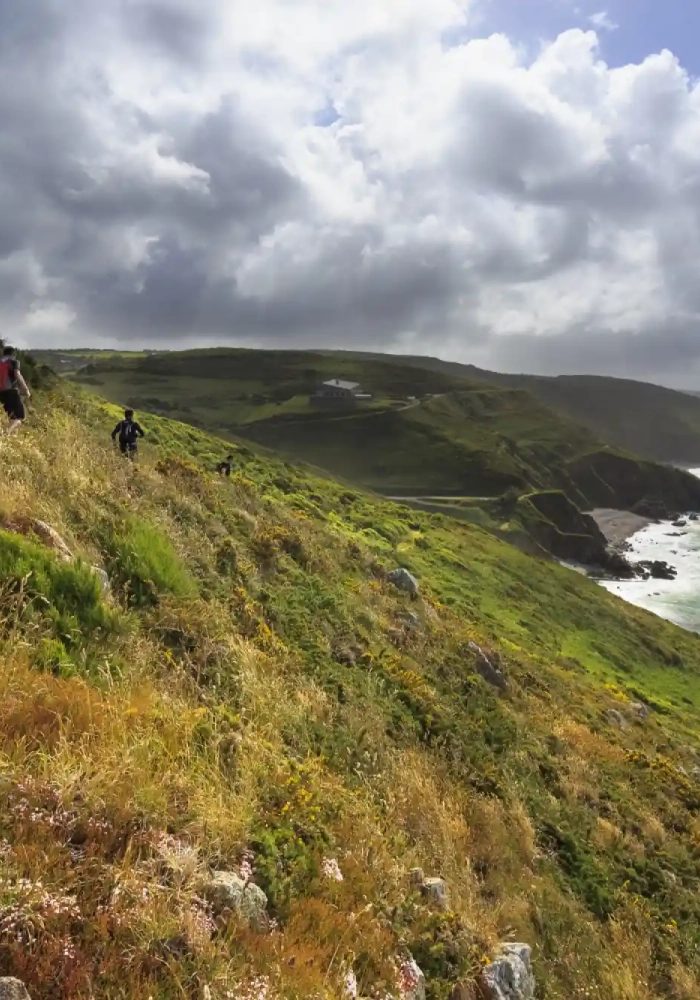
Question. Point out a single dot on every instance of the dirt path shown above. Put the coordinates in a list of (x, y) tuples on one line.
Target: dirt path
[(438, 501)]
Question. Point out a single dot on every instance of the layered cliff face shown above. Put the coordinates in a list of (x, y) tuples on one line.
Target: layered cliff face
[(227, 738), (607, 479), (561, 528)]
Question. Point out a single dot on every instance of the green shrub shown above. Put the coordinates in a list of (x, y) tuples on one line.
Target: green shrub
[(145, 563), (68, 595)]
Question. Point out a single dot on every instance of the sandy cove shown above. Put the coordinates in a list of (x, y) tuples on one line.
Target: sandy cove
[(618, 525)]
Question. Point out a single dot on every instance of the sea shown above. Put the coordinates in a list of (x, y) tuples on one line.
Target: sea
[(676, 600)]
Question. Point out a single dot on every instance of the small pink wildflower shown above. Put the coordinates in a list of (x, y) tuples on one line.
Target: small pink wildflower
[(246, 869)]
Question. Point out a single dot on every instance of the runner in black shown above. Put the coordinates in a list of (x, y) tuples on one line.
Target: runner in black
[(12, 387), (128, 432), (224, 468)]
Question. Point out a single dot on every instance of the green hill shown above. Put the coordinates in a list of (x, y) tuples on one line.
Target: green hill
[(658, 423), (426, 432), (252, 694), (661, 424)]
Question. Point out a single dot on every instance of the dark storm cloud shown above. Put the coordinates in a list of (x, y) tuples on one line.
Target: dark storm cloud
[(176, 30), (161, 178), (668, 355)]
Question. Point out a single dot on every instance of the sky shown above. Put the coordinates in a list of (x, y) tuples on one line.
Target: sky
[(509, 183)]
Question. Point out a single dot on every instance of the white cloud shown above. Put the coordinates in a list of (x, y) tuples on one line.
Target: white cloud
[(602, 21), (164, 180)]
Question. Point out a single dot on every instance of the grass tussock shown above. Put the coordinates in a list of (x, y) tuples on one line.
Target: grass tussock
[(252, 692)]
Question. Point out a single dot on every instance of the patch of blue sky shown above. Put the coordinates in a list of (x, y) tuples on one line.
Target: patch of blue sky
[(327, 115), (628, 30)]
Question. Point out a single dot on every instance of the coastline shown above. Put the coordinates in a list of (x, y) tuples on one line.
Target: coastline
[(677, 600), (618, 525)]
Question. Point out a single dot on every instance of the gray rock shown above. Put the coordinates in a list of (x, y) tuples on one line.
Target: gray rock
[(51, 538), (13, 989), (436, 892), (491, 674), (346, 656), (412, 983), (433, 889), (509, 977), (640, 710), (101, 575), (405, 581), (615, 718), (227, 891)]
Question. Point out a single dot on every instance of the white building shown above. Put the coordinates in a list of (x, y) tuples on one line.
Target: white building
[(335, 388)]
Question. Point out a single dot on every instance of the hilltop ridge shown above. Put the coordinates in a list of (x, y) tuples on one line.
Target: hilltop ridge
[(252, 695)]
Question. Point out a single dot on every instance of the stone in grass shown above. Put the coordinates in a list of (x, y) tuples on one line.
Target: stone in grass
[(436, 892), (403, 580), (509, 976), (51, 538), (13, 989), (228, 891), (411, 978), (640, 710), (433, 889), (101, 575), (615, 718), (492, 674)]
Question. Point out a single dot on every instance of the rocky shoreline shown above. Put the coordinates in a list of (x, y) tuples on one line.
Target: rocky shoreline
[(619, 526)]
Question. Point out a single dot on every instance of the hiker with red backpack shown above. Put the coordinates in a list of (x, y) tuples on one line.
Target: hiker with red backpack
[(12, 388), (128, 432)]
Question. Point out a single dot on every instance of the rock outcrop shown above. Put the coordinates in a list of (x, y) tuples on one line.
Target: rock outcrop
[(615, 718), (655, 510), (228, 891), (403, 580), (509, 976), (102, 576), (52, 540), (487, 669), (657, 570), (39, 531), (36, 529), (639, 710), (411, 979), (559, 527), (13, 989), (433, 889)]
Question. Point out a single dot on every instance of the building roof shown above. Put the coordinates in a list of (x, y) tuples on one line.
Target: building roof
[(335, 383)]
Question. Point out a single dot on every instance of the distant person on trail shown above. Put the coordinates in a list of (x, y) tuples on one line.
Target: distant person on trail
[(224, 468), (128, 432), (12, 388)]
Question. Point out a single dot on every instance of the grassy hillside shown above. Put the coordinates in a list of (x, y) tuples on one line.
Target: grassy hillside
[(653, 421), (426, 432), (254, 693), (222, 388), (661, 424)]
